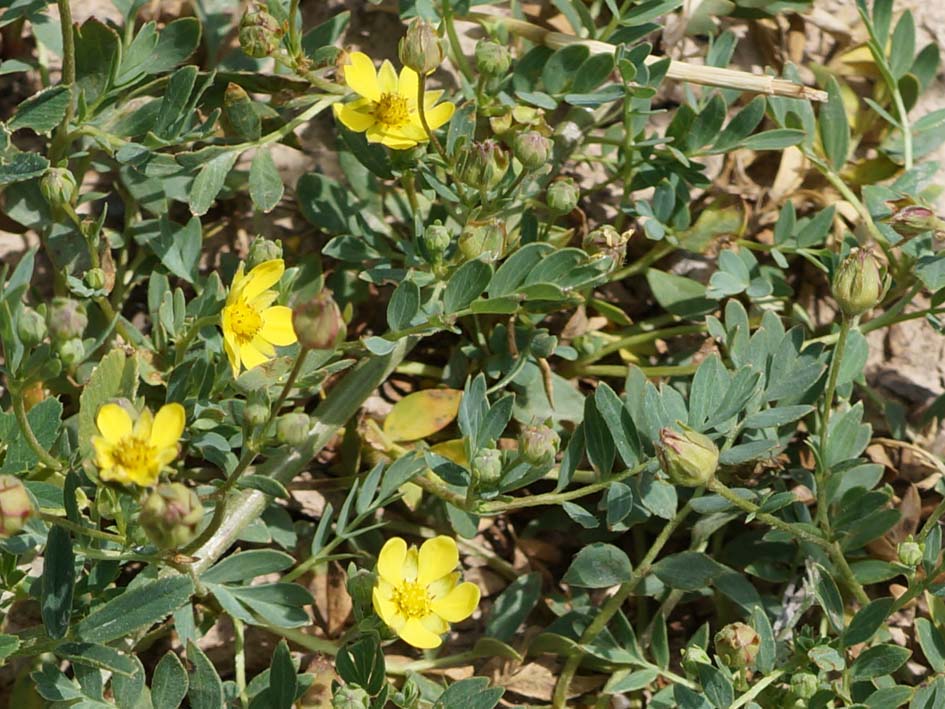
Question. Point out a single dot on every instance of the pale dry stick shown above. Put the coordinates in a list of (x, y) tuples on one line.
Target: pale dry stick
[(678, 71)]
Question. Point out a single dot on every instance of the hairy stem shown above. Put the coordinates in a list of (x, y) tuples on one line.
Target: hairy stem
[(823, 470)]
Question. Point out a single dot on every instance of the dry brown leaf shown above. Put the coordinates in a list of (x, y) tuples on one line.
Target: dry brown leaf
[(536, 680)]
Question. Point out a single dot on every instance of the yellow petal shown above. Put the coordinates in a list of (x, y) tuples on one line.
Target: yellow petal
[(251, 356), (263, 277), (387, 78), (435, 624), (115, 475), (410, 564), (277, 326), (144, 476), (390, 562), (143, 425), (387, 610), (414, 633), (238, 278), (430, 98), (443, 586), (353, 118), (263, 300), (168, 426), (361, 76), (438, 115), (232, 350), (376, 134), (103, 452), (113, 422), (458, 604), (409, 84), (438, 557)]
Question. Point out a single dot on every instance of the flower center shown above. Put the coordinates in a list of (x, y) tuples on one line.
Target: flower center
[(392, 110), (245, 321), (412, 600), (133, 453)]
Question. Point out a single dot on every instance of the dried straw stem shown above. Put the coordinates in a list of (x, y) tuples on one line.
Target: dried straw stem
[(680, 71)]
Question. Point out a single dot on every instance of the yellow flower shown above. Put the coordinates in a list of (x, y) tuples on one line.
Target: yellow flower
[(387, 110), (136, 451), (418, 592), (251, 324)]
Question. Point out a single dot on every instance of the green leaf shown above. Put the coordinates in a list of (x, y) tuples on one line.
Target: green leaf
[(472, 693), (58, 582), (515, 269), (767, 649), (177, 41), (598, 566), (932, 644), (21, 167), (264, 484), (283, 681), (827, 659), (362, 663), (624, 681), (403, 306), (902, 46), (776, 139), (834, 127), (779, 416), (209, 182), (618, 502), (466, 284), (8, 645), (265, 183), (561, 68), (280, 604), (619, 422), (828, 596), (169, 684), (600, 446), (741, 126), (878, 661), (679, 295), (97, 55), (115, 376), (206, 689), (43, 111), (718, 689), (688, 570), (44, 420), (138, 607), (867, 621), (247, 565), (99, 656), (513, 605)]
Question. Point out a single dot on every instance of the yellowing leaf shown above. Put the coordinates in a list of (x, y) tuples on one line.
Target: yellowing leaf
[(454, 450), (421, 414)]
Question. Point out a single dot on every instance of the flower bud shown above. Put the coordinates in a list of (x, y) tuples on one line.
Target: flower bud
[(58, 186), (483, 164), (292, 429), (492, 58), (420, 48), (562, 196), (30, 327), (70, 352), (737, 645), (607, 241), (532, 149), (66, 318), (689, 459), (360, 587), (804, 685), (171, 515), (239, 118), (255, 414), (436, 240), (543, 344), (260, 34), (538, 444), (409, 694), (694, 656), (262, 250), (487, 466), (350, 697), (858, 283), (94, 278), (16, 507), (914, 220), (482, 238), (318, 323), (910, 551)]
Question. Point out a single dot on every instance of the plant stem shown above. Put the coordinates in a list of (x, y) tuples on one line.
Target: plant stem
[(61, 140), (757, 689), (613, 604), (239, 660), (461, 60), (19, 410), (79, 529), (293, 38), (823, 470), (309, 642)]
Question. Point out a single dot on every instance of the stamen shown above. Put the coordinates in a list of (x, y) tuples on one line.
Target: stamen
[(392, 110)]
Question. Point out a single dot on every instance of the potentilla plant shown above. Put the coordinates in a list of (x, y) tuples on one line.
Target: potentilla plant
[(544, 384)]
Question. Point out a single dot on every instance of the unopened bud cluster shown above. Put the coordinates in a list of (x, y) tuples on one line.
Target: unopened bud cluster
[(538, 445), (689, 458), (420, 48), (171, 515), (737, 645), (260, 34), (16, 507), (318, 322), (607, 241), (858, 282)]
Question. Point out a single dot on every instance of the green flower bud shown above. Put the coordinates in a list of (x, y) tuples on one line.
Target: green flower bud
[(361, 589), (318, 323), (350, 697), (694, 656), (562, 196), (71, 352), (483, 164), (30, 327), (543, 344), (58, 186), (262, 250), (492, 58), (487, 466), (408, 695), (737, 645), (858, 283), (420, 48), (607, 241), (689, 459), (293, 429), (482, 238), (436, 240), (16, 507), (240, 119), (171, 515), (914, 220), (255, 414), (804, 685), (66, 318), (94, 278), (910, 551), (533, 150), (538, 444), (260, 34)]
